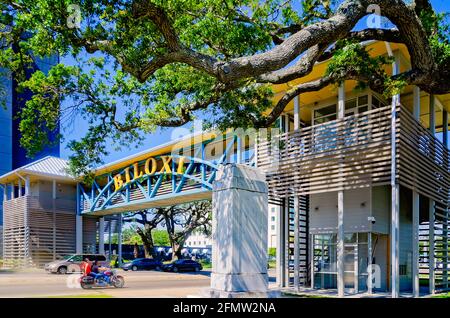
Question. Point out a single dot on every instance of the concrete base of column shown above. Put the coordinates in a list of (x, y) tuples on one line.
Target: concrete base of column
[(239, 232), (242, 282), (212, 293)]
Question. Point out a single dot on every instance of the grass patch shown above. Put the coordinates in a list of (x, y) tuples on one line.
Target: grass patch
[(444, 295), (304, 295), (206, 264)]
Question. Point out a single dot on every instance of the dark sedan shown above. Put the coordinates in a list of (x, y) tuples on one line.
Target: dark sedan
[(185, 265), (142, 264)]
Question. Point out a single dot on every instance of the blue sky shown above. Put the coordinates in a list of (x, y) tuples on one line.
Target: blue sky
[(77, 128)]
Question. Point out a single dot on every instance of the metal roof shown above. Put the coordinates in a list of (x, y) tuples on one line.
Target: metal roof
[(47, 167)]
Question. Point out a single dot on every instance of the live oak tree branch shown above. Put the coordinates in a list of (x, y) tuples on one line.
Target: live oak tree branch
[(181, 57)]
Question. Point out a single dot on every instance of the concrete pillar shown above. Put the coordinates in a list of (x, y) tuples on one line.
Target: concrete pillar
[(19, 188), (101, 236), (79, 234), (431, 262), (286, 242), (445, 128), (416, 103), (369, 264), (239, 232), (415, 212), (296, 242), (109, 239), (119, 247), (280, 247), (311, 259), (12, 191), (395, 191), (239, 149), (5, 192), (297, 112), (415, 243), (395, 246), (340, 245), (432, 114), (27, 185), (54, 217), (341, 101)]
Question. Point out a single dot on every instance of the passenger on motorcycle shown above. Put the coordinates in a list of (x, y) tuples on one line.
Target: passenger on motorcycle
[(86, 267)]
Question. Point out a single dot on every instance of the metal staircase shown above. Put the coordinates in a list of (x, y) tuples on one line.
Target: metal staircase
[(304, 266)]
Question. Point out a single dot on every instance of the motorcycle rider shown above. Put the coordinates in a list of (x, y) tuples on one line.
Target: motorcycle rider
[(95, 272)]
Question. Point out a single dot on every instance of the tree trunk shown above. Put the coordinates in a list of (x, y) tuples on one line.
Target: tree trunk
[(176, 251), (136, 250), (147, 241)]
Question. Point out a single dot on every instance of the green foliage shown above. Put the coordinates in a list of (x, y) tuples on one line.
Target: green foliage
[(104, 87), (272, 252), (437, 27), (206, 263), (129, 236), (351, 59), (160, 238)]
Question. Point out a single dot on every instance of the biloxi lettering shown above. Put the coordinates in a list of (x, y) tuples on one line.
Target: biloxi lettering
[(149, 169)]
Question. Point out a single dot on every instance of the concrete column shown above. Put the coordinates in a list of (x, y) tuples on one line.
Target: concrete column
[(239, 232), (286, 243), (396, 71), (79, 234), (445, 128), (280, 247), (19, 188), (395, 192), (415, 212), (415, 243), (119, 245), (416, 102), (5, 192), (340, 245), (311, 254), (101, 236), (341, 101), (109, 239), (432, 114), (239, 149), (54, 217), (369, 263), (12, 191), (27, 185), (431, 262), (296, 242), (297, 113), (395, 246), (340, 225)]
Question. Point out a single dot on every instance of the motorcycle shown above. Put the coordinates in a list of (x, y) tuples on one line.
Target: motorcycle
[(110, 278)]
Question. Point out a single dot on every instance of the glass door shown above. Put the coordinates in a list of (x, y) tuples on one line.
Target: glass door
[(351, 268)]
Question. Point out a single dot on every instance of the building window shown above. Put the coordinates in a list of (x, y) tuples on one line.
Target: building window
[(357, 105), (325, 114), (273, 209), (273, 219), (272, 227), (377, 103)]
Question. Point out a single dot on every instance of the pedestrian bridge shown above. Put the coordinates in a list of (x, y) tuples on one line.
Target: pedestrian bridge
[(172, 174)]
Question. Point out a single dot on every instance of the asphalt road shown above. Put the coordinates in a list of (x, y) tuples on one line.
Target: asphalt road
[(37, 283)]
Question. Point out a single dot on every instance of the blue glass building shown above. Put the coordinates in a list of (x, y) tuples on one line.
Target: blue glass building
[(12, 155)]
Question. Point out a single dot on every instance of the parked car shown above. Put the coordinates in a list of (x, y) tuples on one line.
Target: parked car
[(72, 263), (143, 264), (182, 265)]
